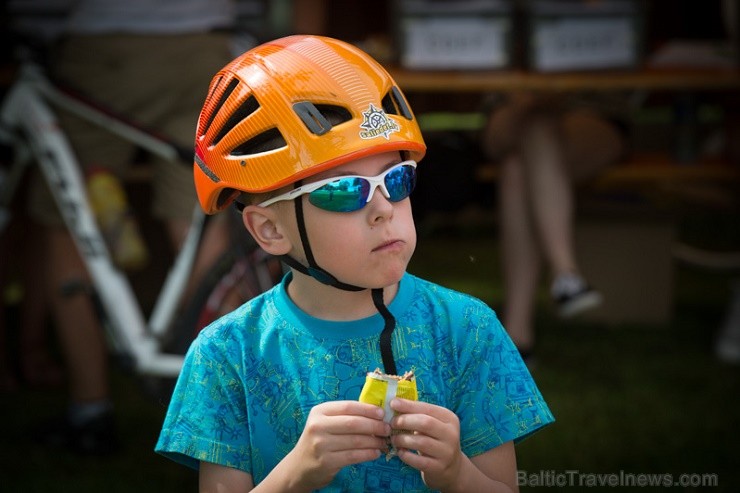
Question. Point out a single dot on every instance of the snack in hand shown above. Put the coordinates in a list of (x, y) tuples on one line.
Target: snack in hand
[(380, 389)]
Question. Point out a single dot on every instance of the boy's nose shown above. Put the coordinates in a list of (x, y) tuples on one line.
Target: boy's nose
[(374, 187), (381, 207)]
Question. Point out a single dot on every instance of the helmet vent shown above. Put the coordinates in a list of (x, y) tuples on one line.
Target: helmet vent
[(320, 118), (269, 140), (224, 97), (395, 104), (242, 113)]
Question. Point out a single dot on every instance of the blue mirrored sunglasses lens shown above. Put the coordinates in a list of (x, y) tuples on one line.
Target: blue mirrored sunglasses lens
[(350, 194), (400, 182), (342, 195)]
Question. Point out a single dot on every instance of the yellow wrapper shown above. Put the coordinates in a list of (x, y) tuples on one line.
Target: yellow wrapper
[(380, 388)]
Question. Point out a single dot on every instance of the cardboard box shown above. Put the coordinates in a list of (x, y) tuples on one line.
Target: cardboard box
[(454, 35), (629, 260), (575, 35)]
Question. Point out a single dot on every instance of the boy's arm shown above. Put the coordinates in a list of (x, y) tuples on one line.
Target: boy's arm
[(215, 478), (435, 436), (499, 462)]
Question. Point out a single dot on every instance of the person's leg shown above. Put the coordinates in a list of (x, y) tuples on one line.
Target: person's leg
[(80, 336), (8, 379), (519, 253), (90, 63), (87, 427), (549, 189), (520, 256), (37, 363), (590, 144), (556, 154)]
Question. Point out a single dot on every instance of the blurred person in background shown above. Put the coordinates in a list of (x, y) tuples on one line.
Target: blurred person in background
[(544, 146), (148, 60)]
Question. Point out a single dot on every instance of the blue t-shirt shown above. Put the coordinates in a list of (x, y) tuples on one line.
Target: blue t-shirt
[(250, 379)]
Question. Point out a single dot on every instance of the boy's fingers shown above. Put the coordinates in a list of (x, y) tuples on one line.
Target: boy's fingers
[(352, 408), (352, 417), (422, 417), (405, 406)]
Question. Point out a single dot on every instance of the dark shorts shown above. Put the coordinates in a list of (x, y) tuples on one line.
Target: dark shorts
[(158, 81)]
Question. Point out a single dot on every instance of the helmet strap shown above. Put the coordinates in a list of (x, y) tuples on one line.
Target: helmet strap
[(324, 277), (313, 268), (386, 349)]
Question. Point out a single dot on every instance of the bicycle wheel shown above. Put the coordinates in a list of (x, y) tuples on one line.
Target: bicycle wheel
[(238, 276)]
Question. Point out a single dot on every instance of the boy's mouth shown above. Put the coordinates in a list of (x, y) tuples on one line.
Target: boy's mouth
[(388, 245)]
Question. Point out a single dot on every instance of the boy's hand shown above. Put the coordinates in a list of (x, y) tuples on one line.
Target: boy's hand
[(435, 435), (337, 434)]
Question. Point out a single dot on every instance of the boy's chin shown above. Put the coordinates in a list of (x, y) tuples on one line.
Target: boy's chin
[(389, 280)]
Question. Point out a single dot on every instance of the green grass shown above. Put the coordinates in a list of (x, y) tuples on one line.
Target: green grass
[(638, 399), (29, 468)]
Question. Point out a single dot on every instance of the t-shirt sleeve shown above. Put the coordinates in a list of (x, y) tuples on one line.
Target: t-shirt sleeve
[(497, 398), (206, 419)]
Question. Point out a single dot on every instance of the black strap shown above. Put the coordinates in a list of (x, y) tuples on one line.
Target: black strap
[(386, 349), (298, 201), (313, 269)]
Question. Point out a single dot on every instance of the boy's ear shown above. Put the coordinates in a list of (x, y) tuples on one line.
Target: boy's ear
[(264, 226)]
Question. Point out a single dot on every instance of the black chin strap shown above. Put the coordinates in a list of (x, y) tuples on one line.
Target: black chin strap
[(313, 270), (386, 349)]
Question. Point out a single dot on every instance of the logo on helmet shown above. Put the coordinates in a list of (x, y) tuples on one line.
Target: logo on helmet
[(376, 123)]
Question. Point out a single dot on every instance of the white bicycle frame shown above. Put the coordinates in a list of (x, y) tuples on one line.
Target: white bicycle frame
[(25, 110)]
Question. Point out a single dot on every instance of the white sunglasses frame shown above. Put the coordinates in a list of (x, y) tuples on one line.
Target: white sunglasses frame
[(377, 181)]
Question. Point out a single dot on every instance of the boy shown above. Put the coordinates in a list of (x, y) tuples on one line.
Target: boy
[(312, 137)]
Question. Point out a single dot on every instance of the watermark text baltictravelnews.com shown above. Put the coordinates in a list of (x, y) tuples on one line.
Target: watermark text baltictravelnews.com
[(576, 478)]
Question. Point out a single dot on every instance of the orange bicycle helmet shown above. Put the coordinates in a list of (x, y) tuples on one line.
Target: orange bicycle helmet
[(291, 108)]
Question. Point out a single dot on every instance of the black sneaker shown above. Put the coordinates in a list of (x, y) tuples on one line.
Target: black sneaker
[(94, 437), (573, 295)]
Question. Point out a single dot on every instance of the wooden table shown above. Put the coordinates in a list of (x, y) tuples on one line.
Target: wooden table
[(491, 81), (642, 169)]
